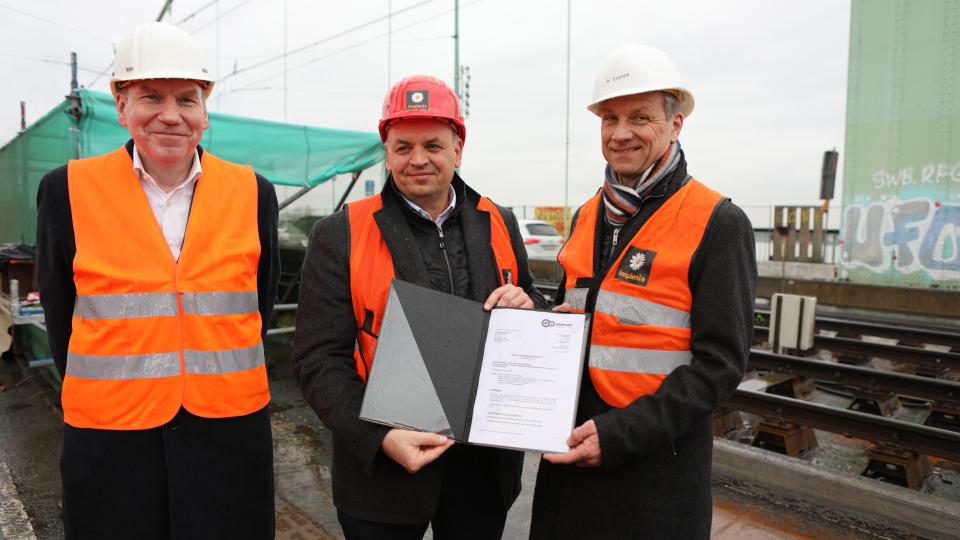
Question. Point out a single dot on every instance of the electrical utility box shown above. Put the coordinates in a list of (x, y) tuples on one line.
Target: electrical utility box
[(792, 320)]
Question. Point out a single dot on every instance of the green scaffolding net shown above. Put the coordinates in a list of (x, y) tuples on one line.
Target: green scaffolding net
[(286, 154)]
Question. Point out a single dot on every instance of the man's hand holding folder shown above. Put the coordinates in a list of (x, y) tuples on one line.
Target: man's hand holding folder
[(413, 450)]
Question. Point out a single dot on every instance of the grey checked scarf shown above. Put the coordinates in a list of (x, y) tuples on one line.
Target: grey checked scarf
[(622, 202)]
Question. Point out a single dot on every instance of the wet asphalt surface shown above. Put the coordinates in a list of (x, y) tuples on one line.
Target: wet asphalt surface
[(31, 433), (31, 436)]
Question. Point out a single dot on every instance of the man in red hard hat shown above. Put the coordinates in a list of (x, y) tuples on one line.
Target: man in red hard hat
[(427, 227)]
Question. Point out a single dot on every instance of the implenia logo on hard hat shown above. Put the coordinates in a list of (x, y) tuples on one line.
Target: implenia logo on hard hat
[(418, 99)]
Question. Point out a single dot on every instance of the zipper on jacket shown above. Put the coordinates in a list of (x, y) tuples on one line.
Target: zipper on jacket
[(616, 233), (446, 260)]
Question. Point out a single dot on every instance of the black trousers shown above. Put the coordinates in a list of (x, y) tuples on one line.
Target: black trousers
[(203, 478), (471, 506)]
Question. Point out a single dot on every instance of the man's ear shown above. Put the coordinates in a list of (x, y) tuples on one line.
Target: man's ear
[(121, 105), (676, 125), (459, 151)]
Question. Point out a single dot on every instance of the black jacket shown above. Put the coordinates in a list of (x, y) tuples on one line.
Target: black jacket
[(367, 484), (655, 478), (57, 246)]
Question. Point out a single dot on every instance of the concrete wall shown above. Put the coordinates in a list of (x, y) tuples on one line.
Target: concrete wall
[(901, 197)]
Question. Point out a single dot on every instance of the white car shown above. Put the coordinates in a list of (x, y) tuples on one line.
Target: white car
[(541, 239)]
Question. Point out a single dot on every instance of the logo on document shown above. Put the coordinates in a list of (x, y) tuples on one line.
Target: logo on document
[(418, 99), (547, 323), (635, 266)]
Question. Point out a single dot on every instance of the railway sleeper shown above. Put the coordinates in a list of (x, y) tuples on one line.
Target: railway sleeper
[(793, 386), (944, 416), (852, 359), (790, 438), (895, 465), (872, 402), (726, 420)]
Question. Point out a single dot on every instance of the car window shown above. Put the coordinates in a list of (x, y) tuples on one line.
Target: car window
[(542, 229)]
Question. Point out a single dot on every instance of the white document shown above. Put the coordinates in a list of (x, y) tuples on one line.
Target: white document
[(529, 380)]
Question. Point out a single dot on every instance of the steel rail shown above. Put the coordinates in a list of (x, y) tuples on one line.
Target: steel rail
[(933, 336), (940, 391), (919, 438), (900, 353)]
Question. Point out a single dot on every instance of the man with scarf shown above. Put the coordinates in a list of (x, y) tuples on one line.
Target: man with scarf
[(666, 266)]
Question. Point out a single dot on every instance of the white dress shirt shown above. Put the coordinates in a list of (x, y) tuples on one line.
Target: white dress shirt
[(170, 208), (443, 215)]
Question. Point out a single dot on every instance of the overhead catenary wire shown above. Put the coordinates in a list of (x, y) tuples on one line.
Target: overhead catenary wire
[(100, 73), (197, 12), (248, 86), (46, 61), (55, 23), (109, 66), (219, 17), (324, 40)]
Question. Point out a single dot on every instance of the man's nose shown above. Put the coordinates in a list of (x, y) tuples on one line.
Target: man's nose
[(621, 132), (169, 112), (418, 157)]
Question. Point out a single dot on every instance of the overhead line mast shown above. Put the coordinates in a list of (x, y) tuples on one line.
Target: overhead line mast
[(165, 10), (456, 48)]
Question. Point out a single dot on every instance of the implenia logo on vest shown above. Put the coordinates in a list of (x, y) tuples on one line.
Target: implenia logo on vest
[(635, 266)]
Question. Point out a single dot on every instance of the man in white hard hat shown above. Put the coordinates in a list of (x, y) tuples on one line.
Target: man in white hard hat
[(158, 265), (666, 266)]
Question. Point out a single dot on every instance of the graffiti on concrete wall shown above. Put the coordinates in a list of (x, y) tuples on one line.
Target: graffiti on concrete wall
[(903, 237), (926, 176)]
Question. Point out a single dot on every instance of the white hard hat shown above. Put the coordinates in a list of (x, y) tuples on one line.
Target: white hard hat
[(635, 69), (159, 50)]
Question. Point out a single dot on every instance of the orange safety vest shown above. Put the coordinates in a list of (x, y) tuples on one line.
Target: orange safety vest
[(150, 333), (371, 270), (641, 317)]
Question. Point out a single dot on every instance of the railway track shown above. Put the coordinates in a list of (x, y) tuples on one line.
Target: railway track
[(860, 351), (943, 396), (917, 438), (906, 334)]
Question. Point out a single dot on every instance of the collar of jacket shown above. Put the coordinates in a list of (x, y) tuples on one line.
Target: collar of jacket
[(394, 224), (459, 187), (663, 189)]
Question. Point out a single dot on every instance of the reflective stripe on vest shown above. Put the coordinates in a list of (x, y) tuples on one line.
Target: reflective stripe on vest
[(633, 310), (220, 303), (223, 361), (145, 366), (132, 366), (122, 306), (371, 269), (641, 325), (576, 297), (629, 360), (150, 333)]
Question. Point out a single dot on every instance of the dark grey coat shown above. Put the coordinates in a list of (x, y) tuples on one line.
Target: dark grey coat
[(366, 484), (655, 478)]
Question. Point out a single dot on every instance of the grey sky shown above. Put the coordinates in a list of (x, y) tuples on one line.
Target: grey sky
[(769, 78)]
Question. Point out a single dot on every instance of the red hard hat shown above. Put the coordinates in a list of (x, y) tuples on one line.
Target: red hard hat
[(422, 96)]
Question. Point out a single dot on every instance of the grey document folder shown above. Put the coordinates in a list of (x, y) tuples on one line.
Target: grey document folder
[(428, 361)]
